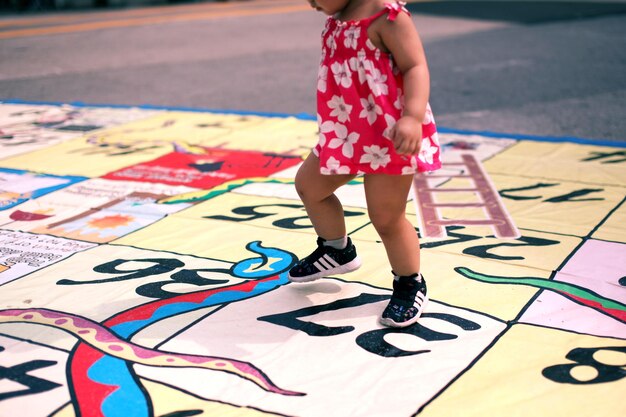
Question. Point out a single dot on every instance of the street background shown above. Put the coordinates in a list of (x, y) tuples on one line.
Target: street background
[(517, 67), (174, 230)]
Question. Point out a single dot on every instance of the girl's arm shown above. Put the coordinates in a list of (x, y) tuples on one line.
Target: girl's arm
[(401, 39)]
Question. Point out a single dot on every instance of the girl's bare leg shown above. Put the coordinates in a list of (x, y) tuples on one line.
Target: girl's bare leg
[(386, 197), (317, 194)]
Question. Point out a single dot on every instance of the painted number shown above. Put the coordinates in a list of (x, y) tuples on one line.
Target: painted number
[(372, 341), (486, 251), (19, 374), (158, 266), (574, 196), (249, 213), (584, 357)]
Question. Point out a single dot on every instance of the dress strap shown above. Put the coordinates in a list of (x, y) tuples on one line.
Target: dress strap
[(394, 9), (377, 15)]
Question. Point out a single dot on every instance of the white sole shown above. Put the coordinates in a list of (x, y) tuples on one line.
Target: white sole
[(353, 265), (390, 323)]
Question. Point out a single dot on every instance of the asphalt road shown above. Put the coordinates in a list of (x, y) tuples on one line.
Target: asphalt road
[(528, 68)]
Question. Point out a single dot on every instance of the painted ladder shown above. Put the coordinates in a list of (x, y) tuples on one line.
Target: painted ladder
[(433, 226)]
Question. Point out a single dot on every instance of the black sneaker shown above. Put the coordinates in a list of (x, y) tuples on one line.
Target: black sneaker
[(325, 261), (407, 302)]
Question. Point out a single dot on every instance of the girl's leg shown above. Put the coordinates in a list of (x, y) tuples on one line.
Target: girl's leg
[(317, 194), (386, 197), (326, 214), (386, 201)]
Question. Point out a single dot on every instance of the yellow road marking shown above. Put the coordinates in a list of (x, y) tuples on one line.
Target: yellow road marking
[(144, 11), (189, 13)]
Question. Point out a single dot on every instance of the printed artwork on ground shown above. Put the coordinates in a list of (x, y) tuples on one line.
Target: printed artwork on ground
[(144, 258)]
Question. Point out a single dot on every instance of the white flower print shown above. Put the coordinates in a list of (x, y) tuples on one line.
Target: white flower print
[(427, 151), (435, 138), (351, 36), (322, 78), (375, 156), (331, 43), (345, 140), (334, 167), (371, 110), (369, 44), (343, 76), (360, 64), (334, 36), (340, 109), (412, 169), (391, 122), (399, 103), (324, 127), (377, 82)]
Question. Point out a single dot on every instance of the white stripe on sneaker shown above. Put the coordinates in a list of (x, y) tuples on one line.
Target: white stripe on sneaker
[(319, 266), (331, 261), (325, 271), (419, 300), (324, 263)]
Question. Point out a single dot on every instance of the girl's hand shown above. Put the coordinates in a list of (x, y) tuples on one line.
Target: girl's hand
[(406, 135)]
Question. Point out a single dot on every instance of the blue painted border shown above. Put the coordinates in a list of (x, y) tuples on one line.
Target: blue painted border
[(306, 116), (554, 139)]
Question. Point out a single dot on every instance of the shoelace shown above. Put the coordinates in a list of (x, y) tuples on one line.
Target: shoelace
[(317, 253)]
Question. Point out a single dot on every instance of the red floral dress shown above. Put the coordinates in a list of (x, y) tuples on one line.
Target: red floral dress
[(359, 100)]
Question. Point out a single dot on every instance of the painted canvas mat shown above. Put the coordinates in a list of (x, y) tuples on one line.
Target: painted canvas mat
[(144, 258)]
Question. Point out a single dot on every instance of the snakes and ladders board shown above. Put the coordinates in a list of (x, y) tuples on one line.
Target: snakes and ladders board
[(144, 258)]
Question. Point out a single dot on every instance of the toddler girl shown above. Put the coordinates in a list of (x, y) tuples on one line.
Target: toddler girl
[(375, 121)]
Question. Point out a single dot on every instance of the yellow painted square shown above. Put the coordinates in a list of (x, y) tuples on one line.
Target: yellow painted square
[(207, 129), (508, 380), (534, 249), (584, 206), (543, 251), (232, 131), (216, 239), (80, 157), (560, 161), (272, 213), (614, 227), (283, 135)]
